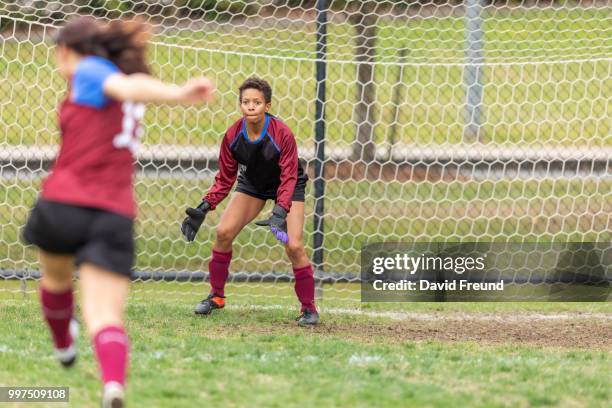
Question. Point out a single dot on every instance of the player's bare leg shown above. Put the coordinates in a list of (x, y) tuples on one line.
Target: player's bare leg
[(241, 210), (57, 271), (104, 296), (302, 269), (57, 303)]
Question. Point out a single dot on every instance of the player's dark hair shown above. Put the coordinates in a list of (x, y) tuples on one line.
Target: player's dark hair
[(260, 85), (121, 41)]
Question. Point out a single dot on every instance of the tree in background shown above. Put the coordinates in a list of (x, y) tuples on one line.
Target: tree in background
[(365, 21)]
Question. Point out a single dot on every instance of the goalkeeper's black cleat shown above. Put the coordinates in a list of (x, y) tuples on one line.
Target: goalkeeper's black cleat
[(206, 306), (308, 318)]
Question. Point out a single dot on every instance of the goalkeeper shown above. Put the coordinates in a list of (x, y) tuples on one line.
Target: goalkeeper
[(260, 151)]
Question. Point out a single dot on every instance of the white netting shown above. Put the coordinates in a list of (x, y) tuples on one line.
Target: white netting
[(444, 121)]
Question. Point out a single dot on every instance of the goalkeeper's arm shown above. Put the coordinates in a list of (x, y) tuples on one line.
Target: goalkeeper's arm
[(224, 180)]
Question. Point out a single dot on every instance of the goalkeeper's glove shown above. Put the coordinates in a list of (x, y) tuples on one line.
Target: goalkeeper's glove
[(195, 217), (277, 223)]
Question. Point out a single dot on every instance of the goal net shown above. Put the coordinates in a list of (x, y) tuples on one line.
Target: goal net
[(444, 121)]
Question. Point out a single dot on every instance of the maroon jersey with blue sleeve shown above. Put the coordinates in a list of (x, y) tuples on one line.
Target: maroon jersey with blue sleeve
[(270, 163), (95, 165)]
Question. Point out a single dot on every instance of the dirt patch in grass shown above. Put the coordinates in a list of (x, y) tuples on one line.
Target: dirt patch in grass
[(579, 333), (582, 334)]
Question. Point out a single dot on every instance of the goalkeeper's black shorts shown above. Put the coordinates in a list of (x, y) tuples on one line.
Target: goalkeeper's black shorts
[(100, 237), (246, 187)]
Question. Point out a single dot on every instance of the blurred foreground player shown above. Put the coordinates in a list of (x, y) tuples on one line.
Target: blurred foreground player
[(260, 151), (85, 212)]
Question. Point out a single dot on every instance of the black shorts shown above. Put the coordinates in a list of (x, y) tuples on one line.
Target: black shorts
[(246, 187), (92, 235)]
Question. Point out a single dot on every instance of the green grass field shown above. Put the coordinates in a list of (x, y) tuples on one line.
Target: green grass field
[(553, 103), (363, 354), (254, 355)]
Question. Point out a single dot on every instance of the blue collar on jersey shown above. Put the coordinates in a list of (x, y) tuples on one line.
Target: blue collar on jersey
[(263, 131)]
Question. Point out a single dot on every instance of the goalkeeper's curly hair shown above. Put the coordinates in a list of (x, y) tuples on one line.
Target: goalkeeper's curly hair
[(259, 84)]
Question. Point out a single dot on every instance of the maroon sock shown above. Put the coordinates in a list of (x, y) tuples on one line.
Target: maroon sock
[(57, 309), (305, 287), (218, 270), (112, 347)]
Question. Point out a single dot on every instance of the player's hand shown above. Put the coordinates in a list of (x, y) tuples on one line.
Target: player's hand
[(277, 223), (197, 90), (195, 218)]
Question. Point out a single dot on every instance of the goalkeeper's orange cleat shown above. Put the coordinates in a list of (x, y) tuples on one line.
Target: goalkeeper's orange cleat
[(206, 306)]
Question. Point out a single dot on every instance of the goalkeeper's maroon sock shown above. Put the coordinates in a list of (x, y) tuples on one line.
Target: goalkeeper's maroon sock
[(218, 270), (305, 287), (57, 309), (112, 347)]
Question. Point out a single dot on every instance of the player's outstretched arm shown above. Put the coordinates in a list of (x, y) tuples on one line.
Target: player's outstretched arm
[(146, 89)]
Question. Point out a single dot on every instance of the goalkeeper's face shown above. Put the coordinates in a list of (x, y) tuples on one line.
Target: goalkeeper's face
[(253, 105)]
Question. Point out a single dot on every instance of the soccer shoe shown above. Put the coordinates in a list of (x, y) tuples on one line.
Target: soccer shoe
[(67, 356), (308, 318), (206, 306), (113, 396)]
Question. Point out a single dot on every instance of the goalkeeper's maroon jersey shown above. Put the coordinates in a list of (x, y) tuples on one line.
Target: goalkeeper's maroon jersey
[(269, 163), (94, 167)]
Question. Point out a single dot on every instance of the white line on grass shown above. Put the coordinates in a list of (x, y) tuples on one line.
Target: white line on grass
[(501, 316), (364, 359)]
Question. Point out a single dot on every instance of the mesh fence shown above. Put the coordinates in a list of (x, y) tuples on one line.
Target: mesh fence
[(444, 121)]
